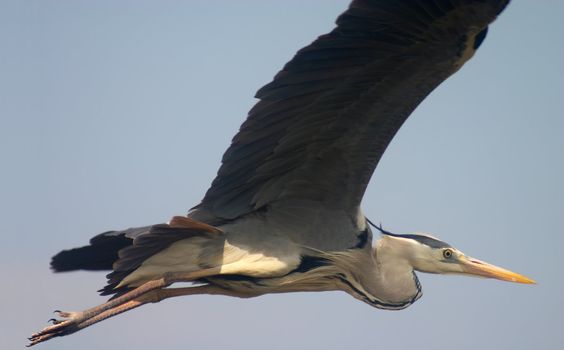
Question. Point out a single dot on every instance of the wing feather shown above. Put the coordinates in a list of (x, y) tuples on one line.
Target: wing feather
[(323, 123)]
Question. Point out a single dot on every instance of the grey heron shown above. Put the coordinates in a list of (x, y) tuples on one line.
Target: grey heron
[(283, 214)]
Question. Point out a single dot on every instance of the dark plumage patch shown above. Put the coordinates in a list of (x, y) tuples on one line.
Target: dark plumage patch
[(479, 38), (362, 239), (99, 255), (429, 241), (309, 263)]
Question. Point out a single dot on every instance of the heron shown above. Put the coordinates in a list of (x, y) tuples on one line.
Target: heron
[(284, 211)]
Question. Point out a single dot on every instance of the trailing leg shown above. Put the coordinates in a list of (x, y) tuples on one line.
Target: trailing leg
[(152, 291)]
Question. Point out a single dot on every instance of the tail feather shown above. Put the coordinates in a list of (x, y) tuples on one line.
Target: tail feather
[(122, 252), (99, 255)]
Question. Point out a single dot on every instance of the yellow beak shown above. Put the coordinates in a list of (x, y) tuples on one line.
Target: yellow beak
[(483, 269)]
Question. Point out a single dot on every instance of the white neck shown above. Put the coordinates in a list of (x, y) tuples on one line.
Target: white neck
[(395, 278), (386, 279)]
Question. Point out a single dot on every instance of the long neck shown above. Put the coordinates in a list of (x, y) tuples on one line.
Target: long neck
[(387, 280), (395, 272)]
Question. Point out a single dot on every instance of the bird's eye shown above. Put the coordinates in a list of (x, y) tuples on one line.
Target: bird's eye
[(447, 253)]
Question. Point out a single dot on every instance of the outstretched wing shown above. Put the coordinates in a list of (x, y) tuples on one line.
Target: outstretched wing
[(323, 123)]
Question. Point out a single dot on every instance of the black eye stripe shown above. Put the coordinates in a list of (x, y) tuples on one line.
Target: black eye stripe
[(426, 240)]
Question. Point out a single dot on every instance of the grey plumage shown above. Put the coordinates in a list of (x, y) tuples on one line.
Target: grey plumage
[(283, 213)]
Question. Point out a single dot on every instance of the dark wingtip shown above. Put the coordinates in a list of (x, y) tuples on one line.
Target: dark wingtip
[(502, 7), (479, 39)]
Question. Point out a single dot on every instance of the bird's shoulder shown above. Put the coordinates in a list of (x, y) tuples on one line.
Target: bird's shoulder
[(301, 223)]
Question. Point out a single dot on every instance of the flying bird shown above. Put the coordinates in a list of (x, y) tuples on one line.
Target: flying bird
[(284, 212)]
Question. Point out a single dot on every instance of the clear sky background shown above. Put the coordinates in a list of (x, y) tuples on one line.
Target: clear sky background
[(116, 113)]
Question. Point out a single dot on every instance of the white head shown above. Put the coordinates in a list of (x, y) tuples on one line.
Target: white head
[(426, 253)]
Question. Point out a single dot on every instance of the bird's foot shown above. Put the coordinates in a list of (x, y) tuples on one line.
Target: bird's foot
[(59, 327)]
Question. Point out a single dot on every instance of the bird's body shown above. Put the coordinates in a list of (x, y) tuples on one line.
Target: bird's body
[(284, 213), (252, 263)]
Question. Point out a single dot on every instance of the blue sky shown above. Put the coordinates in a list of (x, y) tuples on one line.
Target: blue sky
[(116, 114)]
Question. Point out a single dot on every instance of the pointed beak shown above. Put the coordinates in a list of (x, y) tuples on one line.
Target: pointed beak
[(479, 268)]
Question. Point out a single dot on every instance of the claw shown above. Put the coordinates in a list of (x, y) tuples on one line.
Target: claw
[(55, 321), (57, 328), (37, 338)]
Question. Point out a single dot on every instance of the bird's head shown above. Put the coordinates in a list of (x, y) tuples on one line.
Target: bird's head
[(429, 254)]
